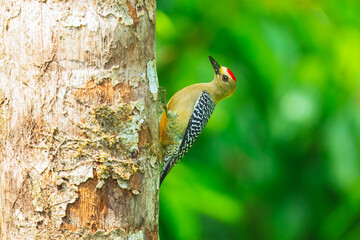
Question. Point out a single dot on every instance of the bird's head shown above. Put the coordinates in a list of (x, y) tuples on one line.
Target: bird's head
[(223, 78)]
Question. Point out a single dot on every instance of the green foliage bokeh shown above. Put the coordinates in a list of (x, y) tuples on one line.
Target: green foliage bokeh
[(280, 158)]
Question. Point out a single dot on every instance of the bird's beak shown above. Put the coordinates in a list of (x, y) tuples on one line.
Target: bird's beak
[(216, 66)]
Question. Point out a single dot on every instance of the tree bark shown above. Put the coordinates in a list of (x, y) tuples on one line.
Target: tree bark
[(78, 120)]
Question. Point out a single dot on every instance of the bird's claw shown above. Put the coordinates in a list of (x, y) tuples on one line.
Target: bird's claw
[(162, 91)]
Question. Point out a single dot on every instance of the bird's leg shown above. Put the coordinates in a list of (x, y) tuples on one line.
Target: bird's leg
[(162, 91)]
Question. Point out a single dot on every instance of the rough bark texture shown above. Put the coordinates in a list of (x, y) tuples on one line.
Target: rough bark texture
[(78, 120)]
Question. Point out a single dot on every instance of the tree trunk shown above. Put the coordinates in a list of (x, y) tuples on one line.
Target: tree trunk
[(78, 120)]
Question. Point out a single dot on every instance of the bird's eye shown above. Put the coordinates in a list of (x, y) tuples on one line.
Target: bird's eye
[(225, 78)]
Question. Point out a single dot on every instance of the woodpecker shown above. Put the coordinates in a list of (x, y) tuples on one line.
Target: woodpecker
[(187, 113)]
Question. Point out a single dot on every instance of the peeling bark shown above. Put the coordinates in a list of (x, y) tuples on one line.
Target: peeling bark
[(78, 120)]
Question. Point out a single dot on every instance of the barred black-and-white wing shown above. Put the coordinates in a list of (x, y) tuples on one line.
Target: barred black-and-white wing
[(203, 109)]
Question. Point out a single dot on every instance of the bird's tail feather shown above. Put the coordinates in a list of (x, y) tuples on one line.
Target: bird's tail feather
[(167, 165)]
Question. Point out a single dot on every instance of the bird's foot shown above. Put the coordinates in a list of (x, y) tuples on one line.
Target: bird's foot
[(162, 93)]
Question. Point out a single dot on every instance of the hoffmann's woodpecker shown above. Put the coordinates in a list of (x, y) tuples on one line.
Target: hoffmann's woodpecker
[(187, 113)]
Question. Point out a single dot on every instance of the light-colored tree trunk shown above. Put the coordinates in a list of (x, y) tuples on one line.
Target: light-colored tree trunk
[(78, 120)]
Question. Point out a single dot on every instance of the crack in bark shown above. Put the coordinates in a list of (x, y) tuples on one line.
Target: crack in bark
[(7, 25)]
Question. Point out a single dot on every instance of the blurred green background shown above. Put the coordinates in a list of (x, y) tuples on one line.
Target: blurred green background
[(280, 158)]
